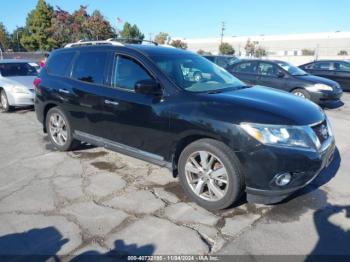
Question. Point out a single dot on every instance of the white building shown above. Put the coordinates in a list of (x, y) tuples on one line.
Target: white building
[(322, 44)]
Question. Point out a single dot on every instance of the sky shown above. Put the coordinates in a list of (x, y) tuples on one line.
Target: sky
[(203, 18)]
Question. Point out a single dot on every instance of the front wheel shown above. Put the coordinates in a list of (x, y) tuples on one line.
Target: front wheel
[(301, 93), (209, 174), (59, 130), (5, 106)]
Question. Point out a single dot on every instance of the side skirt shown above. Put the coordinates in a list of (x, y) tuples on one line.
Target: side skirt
[(123, 149)]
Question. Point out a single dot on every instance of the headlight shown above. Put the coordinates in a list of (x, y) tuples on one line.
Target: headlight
[(287, 136), (319, 87), (19, 90)]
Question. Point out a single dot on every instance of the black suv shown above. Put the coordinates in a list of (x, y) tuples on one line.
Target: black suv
[(220, 137), (286, 77)]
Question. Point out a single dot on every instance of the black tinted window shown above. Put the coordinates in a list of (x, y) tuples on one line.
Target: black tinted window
[(211, 58), (323, 66), (246, 67), (341, 66), (58, 64), (127, 72), (17, 69), (90, 67), (267, 69)]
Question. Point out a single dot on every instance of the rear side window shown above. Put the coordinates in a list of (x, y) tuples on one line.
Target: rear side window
[(91, 67), (210, 58), (59, 63), (247, 67), (323, 66)]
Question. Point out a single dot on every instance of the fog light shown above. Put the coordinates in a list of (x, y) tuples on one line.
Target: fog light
[(283, 179)]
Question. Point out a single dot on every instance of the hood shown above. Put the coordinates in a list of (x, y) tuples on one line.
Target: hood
[(268, 106), (317, 80), (25, 81)]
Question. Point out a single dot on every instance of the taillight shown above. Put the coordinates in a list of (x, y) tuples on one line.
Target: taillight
[(36, 82)]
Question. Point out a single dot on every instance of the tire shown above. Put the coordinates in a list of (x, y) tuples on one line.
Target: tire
[(5, 106), (60, 133), (301, 93), (231, 191)]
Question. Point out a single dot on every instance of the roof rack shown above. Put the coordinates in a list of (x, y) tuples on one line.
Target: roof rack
[(133, 41), (89, 43), (111, 41)]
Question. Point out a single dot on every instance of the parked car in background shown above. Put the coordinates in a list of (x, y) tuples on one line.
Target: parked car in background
[(16, 83), (222, 60), (284, 76), (218, 136), (337, 70), (36, 66)]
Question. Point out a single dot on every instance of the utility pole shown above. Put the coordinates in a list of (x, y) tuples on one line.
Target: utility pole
[(223, 28), (150, 36)]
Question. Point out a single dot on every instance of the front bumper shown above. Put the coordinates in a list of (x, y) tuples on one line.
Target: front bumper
[(326, 96), (19, 99), (262, 165)]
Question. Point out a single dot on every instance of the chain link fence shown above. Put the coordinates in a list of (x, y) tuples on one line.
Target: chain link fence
[(30, 56)]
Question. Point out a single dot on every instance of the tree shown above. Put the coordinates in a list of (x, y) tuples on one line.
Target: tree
[(226, 49), (98, 27), (161, 38), (307, 52), (202, 52), (260, 52), (178, 44), (38, 22), (131, 32), (250, 47), (343, 53), (5, 41)]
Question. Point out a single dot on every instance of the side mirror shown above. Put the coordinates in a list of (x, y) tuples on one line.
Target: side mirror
[(281, 74), (148, 87)]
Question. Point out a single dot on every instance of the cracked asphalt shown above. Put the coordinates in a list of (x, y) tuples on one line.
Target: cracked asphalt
[(94, 201)]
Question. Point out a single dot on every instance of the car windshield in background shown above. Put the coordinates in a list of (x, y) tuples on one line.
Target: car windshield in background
[(17, 69), (195, 73), (293, 70)]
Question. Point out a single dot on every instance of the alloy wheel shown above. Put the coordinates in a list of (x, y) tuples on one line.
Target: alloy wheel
[(58, 129), (300, 94), (3, 101), (206, 176)]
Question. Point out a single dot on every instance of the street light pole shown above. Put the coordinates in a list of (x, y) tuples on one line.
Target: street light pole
[(223, 28)]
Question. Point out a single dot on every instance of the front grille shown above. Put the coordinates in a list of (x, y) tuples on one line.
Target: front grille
[(321, 131)]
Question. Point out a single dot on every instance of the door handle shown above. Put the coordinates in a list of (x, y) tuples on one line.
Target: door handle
[(65, 91), (109, 102)]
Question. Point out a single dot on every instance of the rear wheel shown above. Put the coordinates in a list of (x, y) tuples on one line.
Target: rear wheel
[(209, 173), (301, 93), (5, 106), (59, 130)]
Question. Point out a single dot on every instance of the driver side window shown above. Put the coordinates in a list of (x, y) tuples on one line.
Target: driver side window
[(127, 72)]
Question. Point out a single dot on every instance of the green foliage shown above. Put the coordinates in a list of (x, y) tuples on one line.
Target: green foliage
[(179, 44), (5, 41), (131, 32), (161, 38), (343, 53), (202, 52), (38, 22), (226, 49), (308, 52), (253, 49), (16, 39), (67, 27)]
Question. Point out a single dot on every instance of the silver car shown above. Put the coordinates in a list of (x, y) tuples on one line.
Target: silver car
[(16, 83)]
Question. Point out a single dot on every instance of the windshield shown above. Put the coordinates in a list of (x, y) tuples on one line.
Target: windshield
[(195, 73), (293, 70), (17, 69)]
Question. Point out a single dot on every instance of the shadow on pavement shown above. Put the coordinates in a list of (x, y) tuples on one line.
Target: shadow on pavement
[(43, 244), (333, 105)]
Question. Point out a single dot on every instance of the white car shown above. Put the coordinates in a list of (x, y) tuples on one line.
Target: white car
[(16, 84)]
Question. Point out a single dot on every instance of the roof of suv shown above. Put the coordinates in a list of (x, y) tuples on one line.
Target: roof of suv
[(147, 50)]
